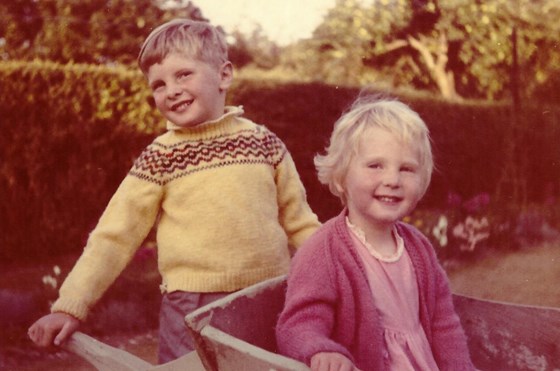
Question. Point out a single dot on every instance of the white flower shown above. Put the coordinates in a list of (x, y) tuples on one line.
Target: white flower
[(50, 281), (440, 230), (473, 231)]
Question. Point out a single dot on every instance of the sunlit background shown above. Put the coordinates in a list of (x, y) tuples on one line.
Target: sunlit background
[(75, 112)]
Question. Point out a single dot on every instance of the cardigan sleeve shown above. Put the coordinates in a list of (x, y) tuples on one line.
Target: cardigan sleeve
[(305, 325), (448, 340), (295, 214), (123, 226)]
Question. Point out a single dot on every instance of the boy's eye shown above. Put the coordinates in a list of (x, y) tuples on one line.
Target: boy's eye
[(157, 85)]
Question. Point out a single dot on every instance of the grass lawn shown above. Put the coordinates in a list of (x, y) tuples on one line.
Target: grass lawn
[(24, 296), (528, 276)]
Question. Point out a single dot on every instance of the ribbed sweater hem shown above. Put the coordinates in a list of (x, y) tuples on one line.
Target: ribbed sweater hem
[(219, 282)]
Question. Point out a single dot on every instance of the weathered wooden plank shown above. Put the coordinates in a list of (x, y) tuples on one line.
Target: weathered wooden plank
[(511, 337), (237, 332), (231, 353), (107, 358), (188, 362), (104, 357)]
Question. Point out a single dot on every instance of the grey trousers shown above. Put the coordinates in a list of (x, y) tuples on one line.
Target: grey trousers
[(174, 340)]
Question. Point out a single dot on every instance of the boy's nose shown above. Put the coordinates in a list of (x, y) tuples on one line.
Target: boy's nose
[(174, 90)]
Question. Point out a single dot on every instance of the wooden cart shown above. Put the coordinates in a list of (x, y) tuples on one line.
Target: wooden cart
[(236, 333)]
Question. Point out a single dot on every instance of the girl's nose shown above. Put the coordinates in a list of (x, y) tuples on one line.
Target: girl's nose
[(391, 178)]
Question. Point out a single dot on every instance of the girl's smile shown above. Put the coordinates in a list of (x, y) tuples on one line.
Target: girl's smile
[(383, 182)]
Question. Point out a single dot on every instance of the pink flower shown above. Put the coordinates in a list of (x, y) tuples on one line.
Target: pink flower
[(453, 199), (477, 203)]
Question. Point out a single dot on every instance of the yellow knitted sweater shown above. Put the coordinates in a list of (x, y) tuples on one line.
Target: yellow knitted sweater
[(227, 199)]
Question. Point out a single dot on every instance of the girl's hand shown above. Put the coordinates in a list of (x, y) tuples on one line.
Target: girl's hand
[(53, 328), (331, 362)]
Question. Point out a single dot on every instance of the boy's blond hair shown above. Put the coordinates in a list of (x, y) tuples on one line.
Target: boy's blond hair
[(194, 39), (367, 112)]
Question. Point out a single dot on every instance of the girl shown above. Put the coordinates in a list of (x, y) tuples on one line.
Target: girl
[(366, 292)]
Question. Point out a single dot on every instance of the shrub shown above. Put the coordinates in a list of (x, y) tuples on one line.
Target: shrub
[(71, 132)]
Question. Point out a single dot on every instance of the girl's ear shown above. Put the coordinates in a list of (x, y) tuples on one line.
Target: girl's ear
[(339, 188), (226, 75)]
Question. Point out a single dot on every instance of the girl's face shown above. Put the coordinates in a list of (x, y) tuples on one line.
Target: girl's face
[(383, 182), (188, 91)]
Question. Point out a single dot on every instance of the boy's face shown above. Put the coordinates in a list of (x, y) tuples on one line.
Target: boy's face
[(383, 182), (188, 91)]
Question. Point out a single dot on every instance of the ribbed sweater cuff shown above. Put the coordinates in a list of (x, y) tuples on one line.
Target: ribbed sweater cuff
[(71, 307)]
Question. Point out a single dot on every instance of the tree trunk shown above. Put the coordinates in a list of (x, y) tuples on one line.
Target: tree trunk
[(434, 55)]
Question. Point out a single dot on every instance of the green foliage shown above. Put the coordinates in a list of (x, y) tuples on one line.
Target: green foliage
[(457, 48), (254, 50), (454, 47), (468, 138), (87, 31), (70, 133)]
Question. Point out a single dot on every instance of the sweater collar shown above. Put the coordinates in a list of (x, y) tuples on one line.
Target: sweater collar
[(230, 112)]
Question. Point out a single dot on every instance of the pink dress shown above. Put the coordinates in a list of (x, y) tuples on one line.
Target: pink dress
[(393, 284)]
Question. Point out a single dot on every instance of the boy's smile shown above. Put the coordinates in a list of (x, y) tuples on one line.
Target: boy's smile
[(181, 106), (383, 182), (188, 91)]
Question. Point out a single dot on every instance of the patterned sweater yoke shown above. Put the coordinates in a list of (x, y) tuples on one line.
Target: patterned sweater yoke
[(165, 160)]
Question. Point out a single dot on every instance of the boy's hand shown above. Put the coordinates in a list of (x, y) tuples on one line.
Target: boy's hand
[(331, 362), (57, 326)]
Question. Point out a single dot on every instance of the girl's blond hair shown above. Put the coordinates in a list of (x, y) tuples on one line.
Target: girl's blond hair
[(372, 111)]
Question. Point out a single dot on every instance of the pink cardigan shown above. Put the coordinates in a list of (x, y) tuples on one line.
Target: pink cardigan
[(329, 306)]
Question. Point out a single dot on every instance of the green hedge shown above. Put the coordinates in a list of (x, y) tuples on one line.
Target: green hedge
[(70, 134), (468, 138)]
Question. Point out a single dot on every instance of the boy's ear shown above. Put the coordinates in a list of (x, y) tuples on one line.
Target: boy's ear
[(226, 75)]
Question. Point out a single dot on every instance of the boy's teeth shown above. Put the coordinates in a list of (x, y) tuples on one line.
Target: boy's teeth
[(181, 106)]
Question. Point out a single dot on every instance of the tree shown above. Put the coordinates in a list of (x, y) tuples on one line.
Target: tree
[(455, 47), (344, 43), (256, 49), (87, 31)]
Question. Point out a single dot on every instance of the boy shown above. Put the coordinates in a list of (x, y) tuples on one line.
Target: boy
[(224, 191)]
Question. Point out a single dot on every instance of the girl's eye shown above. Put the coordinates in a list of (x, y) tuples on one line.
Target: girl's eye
[(184, 74), (408, 169), (374, 166)]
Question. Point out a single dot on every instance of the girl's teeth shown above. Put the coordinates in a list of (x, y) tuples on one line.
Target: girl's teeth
[(387, 199)]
